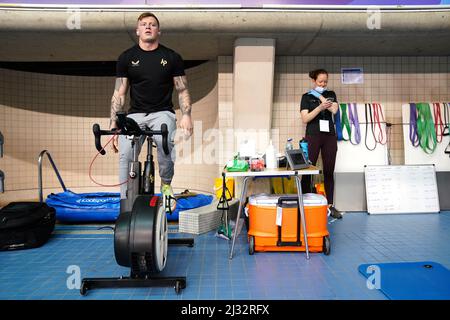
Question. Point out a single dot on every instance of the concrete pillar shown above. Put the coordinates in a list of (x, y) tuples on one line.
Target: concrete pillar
[(254, 61), (253, 81)]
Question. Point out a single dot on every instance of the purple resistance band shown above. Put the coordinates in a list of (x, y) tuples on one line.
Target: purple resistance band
[(413, 136), (355, 122)]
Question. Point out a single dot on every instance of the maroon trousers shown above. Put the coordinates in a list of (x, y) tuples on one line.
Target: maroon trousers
[(327, 145)]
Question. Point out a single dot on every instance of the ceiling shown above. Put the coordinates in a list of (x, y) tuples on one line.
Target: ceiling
[(48, 35)]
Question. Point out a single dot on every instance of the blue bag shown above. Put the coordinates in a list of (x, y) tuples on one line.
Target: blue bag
[(85, 207), (190, 202)]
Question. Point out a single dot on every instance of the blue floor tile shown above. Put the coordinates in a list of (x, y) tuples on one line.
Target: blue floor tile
[(356, 239)]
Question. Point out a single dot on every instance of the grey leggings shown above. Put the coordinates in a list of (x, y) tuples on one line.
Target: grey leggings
[(166, 162)]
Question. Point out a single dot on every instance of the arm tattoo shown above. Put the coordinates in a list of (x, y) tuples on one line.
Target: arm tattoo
[(118, 98), (119, 83), (184, 98), (117, 103)]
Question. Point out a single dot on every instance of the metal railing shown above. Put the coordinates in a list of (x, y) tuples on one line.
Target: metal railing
[(41, 156)]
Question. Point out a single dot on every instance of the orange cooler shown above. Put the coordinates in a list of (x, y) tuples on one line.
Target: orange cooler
[(265, 235)]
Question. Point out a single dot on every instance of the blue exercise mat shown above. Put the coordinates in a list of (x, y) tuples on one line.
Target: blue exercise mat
[(423, 280)]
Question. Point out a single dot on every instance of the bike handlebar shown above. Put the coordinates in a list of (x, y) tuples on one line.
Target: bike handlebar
[(128, 126)]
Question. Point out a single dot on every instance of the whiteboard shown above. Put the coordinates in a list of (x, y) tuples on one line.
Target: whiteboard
[(401, 189), (415, 155), (353, 158)]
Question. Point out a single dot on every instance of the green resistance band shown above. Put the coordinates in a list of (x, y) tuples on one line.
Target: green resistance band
[(345, 122), (425, 128)]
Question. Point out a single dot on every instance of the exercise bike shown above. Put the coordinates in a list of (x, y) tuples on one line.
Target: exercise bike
[(140, 233)]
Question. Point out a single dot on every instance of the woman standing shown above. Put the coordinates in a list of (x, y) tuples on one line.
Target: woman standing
[(317, 109)]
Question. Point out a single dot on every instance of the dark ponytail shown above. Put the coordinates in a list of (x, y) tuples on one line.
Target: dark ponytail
[(315, 73)]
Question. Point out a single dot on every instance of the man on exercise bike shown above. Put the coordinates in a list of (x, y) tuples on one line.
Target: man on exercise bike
[(151, 70)]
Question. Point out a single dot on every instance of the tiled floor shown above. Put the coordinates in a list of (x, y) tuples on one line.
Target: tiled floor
[(356, 239)]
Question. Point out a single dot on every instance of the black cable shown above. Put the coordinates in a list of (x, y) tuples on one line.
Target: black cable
[(388, 141), (106, 227), (198, 190), (368, 105), (373, 123), (446, 131)]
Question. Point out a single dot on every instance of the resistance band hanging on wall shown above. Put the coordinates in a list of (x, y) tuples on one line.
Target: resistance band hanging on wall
[(438, 125), (378, 118), (446, 119), (426, 128), (345, 123), (345, 120), (337, 121), (368, 110), (354, 121), (446, 125), (413, 136)]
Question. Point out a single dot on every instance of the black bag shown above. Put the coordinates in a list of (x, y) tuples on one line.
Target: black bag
[(25, 225)]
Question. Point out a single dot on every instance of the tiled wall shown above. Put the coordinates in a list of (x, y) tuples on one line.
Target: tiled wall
[(225, 103), (391, 81), (41, 111), (56, 113)]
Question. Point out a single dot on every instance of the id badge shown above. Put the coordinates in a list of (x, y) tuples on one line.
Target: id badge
[(324, 125)]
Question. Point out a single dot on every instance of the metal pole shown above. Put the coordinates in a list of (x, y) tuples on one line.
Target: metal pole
[(41, 156)]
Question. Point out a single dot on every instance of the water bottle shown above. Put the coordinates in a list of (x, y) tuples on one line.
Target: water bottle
[(289, 145), (271, 160), (303, 144)]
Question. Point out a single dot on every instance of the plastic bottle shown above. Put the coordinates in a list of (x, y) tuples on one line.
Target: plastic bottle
[(289, 145), (303, 144), (271, 160)]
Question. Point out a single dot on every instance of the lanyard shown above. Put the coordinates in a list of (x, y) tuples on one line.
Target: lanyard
[(413, 136), (354, 121), (367, 106), (379, 118), (425, 128), (438, 125), (345, 122), (337, 121)]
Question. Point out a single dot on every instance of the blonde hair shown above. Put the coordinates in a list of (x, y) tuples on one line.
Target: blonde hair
[(147, 14)]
